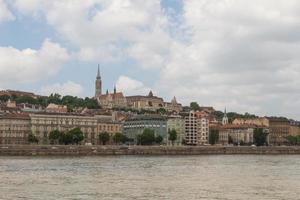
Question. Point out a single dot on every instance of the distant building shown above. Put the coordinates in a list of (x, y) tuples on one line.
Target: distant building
[(176, 122), (14, 128), (43, 123), (16, 93), (279, 128), (98, 84), (238, 133), (112, 100), (136, 125), (54, 108), (149, 102), (108, 100), (225, 118), (173, 106), (196, 128), (109, 126)]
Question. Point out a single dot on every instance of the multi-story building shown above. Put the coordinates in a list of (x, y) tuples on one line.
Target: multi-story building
[(176, 122), (279, 128), (109, 126), (43, 123), (108, 100), (173, 106), (14, 128), (149, 102), (238, 133), (196, 128), (136, 125)]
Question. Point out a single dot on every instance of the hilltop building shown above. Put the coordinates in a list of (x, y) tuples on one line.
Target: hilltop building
[(108, 100)]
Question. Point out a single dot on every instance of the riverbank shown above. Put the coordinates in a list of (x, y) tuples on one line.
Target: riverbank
[(38, 150)]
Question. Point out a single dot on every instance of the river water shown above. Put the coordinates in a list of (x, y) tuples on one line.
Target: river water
[(150, 177)]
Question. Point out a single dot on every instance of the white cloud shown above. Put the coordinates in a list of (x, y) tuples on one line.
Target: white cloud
[(234, 53), (29, 65), (5, 14), (68, 88), (131, 86), (107, 29)]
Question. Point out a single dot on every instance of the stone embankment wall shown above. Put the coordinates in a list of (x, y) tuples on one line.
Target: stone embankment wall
[(36, 150)]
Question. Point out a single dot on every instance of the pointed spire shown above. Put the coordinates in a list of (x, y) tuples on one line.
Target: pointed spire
[(115, 89), (150, 94), (107, 92), (98, 72), (174, 100)]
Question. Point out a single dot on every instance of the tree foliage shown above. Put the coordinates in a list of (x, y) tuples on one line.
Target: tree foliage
[(55, 136), (194, 106), (104, 137), (119, 138), (173, 136), (294, 140), (159, 139), (147, 137), (32, 138), (74, 136), (213, 136), (260, 137)]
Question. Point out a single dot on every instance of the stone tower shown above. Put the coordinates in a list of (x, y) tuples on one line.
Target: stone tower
[(98, 84)]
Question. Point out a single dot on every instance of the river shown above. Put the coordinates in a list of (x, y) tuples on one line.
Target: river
[(150, 177)]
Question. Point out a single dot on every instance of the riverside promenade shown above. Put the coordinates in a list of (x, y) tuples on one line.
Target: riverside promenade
[(43, 150)]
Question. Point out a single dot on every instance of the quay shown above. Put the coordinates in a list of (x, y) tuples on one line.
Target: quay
[(47, 150)]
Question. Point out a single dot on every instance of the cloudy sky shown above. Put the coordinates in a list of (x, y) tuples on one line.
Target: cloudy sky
[(240, 54)]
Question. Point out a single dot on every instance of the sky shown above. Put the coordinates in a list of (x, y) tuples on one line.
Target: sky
[(238, 54)]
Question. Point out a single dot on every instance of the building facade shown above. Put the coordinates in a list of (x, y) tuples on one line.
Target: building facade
[(196, 128), (149, 102), (239, 134), (279, 128), (136, 125), (173, 106), (177, 123), (14, 128), (42, 124)]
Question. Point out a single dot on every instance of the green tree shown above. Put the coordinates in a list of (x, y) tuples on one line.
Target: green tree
[(4, 98), (66, 138), (147, 137), (104, 137), (119, 138), (260, 137), (26, 99), (294, 140), (194, 106), (32, 138), (173, 136), (159, 139), (213, 136), (77, 135), (55, 136)]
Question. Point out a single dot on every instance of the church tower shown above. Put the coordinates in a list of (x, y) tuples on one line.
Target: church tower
[(98, 84), (225, 118)]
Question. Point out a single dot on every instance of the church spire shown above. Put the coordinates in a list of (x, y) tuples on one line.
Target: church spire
[(115, 89), (98, 72), (98, 84)]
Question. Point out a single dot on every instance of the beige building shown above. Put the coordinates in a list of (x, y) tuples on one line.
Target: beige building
[(238, 133), (196, 128), (54, 108), (279, 128), (112, 100), (110, 127), (173, 106), (43, 124), (176, 122), (14, 128), (149, 102)]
